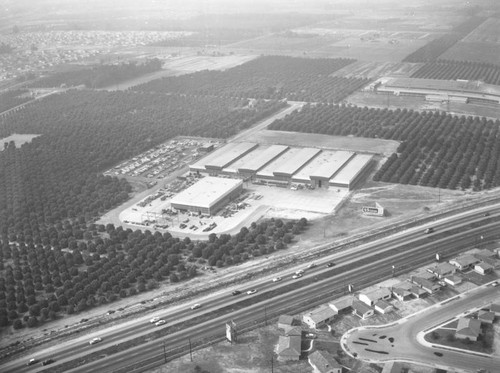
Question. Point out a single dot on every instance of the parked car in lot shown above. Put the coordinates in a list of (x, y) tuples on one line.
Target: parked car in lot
[(47, 362), (154, 320), (250, 292), (236, 292), (32, 362), (160, 322), (276, 279), (195, 306), (331, 264), (95, 340), (297, 275)]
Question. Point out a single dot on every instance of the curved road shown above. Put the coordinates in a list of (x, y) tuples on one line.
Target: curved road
[(401, 341)]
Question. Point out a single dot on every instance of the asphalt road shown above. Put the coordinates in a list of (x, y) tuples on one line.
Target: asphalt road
[(360, 266), (400, 342)]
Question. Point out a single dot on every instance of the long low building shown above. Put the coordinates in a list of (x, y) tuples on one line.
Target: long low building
[(352, 172), (208, 195)]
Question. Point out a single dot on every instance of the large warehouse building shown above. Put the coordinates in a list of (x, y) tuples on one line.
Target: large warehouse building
[(208, 195), (284, 165)]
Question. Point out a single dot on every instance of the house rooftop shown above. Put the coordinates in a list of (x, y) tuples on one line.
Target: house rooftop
[(323, 361), (289, 346)]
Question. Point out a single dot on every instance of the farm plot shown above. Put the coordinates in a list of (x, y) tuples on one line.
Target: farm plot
[(487, 32), (477, 52), (377, 48), (373, 70)]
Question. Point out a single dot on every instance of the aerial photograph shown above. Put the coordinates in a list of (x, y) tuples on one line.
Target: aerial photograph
[(250, 186)]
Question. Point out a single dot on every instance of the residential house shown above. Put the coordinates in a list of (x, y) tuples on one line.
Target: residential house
[(453, 280), (319, 317), (495, 308), (323, 362), (362, 310), (405, 289), (443, 269), (383, 307), (427, 275), (468, 329), (342, 304), (483, 268), (486, 316), (371, 297), (285, 322), (289, 348), (464, 262), (293, 330), (427, 285)]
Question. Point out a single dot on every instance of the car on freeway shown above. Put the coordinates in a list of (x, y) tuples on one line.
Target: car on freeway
[(195, 306), (429, 230), (236, 292), (160, 322), (276, 279), (297, 275), (95, 340), (312, 265), (154, 320), (486, 214), (299, 272), (494, 283), (331, 264), (32, 362), (47, 362), (250, 292)]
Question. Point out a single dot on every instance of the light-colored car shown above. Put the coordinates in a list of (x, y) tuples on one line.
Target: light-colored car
[(160, 322), (154, 320), (32, 362), (299, 272), (195, 306), (276, 279), (312, 265), (95, 340), (311, 335), (250, 292), (297, 275)]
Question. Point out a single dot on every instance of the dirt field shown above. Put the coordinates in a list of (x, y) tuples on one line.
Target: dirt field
[(477, 52), (383, 101), (187, 62)]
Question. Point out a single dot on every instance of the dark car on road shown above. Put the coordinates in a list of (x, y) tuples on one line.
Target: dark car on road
[(236, 292), (48, 361), (331, 264)]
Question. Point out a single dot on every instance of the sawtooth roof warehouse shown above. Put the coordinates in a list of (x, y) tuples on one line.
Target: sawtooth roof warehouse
[(281, 165)]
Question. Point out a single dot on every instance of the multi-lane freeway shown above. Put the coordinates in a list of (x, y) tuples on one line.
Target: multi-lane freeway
[(360, 265)]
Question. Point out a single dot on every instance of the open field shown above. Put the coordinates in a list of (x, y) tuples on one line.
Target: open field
[(487, 32), (393, 102), (19, 139), (359, 44)]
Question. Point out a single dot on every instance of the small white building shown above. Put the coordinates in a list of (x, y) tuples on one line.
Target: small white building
[(483, 268)]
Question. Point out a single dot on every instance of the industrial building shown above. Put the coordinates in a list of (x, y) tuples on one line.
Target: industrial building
[(284, 166), (208, 195)]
